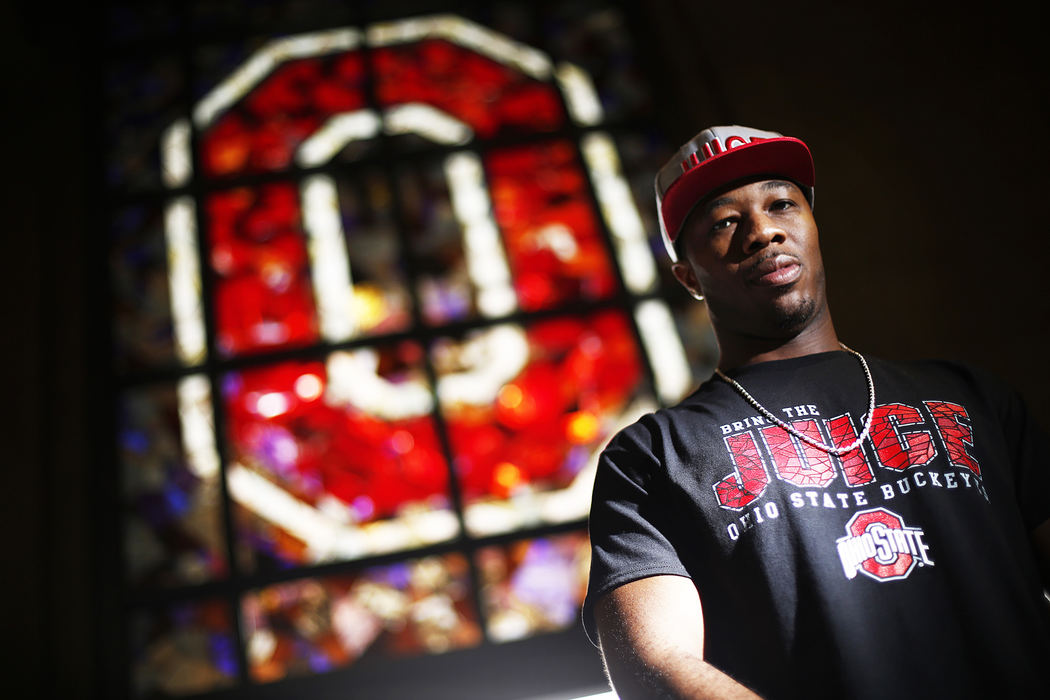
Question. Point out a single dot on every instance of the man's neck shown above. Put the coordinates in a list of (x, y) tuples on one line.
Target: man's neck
[(739, 350)]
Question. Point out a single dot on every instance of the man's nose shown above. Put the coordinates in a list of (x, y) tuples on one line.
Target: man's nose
[(761, 230)]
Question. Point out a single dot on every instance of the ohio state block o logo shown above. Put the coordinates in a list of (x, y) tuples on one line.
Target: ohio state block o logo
[(879, 545), (299, 102)]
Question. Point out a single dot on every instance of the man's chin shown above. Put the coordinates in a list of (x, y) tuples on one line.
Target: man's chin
[(794, 319)]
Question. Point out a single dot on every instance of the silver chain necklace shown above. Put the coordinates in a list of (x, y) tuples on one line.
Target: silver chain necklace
[(830, 449)]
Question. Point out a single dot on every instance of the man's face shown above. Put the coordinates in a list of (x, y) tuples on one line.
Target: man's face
[(753, 252)]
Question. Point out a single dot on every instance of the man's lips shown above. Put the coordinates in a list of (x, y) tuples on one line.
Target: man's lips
[(775, 271)]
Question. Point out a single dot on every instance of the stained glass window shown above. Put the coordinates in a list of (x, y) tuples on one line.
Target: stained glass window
[(336, 460), (533, 585), (183, 649), (412, 607), (526, 408), (382, 285), (550, 229), (141, 314)]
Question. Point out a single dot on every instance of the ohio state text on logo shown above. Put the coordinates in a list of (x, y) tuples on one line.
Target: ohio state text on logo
[(879, 545), (901, 437)]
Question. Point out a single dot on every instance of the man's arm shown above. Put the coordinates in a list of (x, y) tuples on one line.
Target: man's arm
[(652, 638)]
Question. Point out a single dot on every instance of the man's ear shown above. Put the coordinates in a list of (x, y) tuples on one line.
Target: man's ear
[(683, 272)]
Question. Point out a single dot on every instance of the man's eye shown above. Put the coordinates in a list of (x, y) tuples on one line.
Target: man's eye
[(783, 204), (722, 224)]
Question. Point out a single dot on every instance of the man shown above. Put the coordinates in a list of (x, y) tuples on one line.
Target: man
[(812, 522)]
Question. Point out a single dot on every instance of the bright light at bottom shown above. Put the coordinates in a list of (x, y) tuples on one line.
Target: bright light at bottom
[(610, 695)]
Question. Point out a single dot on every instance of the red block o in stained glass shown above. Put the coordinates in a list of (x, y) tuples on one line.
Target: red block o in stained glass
[(315, 465)]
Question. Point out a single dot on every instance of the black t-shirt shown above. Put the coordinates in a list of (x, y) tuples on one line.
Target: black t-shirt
[(900, 570)]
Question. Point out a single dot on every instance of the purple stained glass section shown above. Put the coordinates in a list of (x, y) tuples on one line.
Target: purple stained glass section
[(534, 586), (172, 509)]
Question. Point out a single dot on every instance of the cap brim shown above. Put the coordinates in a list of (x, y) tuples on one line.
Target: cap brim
[(785, 157)]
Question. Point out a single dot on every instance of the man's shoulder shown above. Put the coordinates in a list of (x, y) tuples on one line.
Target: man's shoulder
[(941, 368), (952, 375), (652, 425)]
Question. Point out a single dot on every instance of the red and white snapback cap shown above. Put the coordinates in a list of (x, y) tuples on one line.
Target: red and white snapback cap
[(717, 157)]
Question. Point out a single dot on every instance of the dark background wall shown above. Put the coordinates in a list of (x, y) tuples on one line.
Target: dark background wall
[(929, 128)]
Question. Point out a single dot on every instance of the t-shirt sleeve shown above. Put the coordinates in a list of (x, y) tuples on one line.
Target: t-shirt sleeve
[(1027, 443), (630, 519)]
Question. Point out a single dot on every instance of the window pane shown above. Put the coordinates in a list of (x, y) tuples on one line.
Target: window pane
[(380, 300), (173, 519), (534, 586), (642, 156), (263, 295), (550, 230), (260, 125), (488, 96), (443, 284), (183, 650), (409, 608), (335, 460), (461, 266), (142, 322), (527, 409)]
